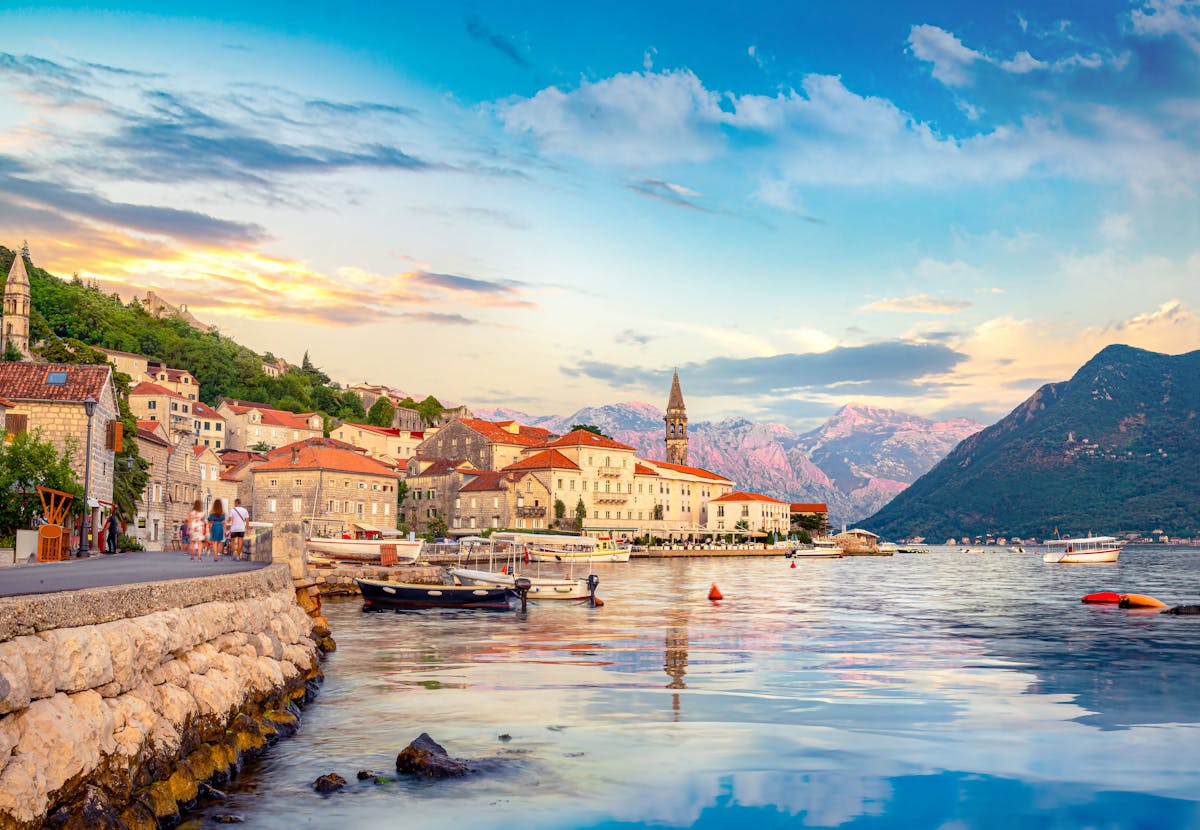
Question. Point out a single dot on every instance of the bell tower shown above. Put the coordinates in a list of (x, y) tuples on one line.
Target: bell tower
[(15, 331), (676, 419)]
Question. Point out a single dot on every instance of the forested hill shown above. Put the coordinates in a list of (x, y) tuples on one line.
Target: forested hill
[(71, 314), (1116, 448)]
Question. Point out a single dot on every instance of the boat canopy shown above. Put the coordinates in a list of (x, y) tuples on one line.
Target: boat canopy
[(1081, 541), (543, 539)]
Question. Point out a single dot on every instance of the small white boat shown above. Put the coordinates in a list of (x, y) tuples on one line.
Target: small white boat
[(362, 550), (1089, 549), (541, 587), (580, 549), (821, 549), (888, 547)]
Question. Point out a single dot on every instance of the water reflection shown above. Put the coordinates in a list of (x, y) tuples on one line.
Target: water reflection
[(911, 691)]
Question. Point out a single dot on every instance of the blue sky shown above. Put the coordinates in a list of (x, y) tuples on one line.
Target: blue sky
[(927, 206)]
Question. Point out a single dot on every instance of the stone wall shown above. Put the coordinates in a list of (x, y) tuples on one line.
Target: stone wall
[(124, 700)]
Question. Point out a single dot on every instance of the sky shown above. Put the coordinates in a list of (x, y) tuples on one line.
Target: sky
[(930, 206)]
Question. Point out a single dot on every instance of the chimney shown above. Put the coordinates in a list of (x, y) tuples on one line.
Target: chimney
[(295, 456)]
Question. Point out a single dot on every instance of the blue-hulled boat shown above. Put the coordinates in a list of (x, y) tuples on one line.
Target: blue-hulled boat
[(377, 592)]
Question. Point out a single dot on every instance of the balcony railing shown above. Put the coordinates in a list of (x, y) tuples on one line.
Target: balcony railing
[(608, 471), (531, 512), (611, 498)]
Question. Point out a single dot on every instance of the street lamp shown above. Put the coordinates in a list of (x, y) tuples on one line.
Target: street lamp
[(89, 406)]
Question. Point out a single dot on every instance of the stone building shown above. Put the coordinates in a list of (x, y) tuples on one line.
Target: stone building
[(248, 424), (142, 369), (761, 514), (388, 444), (496, 500), (488, 445), (14, 321), (210, 426), (149, 524), (325, 487), (237, 467), (152, 402), (432, 484), (50, 398), (676, 421)]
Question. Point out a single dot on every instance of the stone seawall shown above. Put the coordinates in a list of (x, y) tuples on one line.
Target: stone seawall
[(117, 704)]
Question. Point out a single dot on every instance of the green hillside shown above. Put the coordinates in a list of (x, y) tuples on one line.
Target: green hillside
[(1116, 448)]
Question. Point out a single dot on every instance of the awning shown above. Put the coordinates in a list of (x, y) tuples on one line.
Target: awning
[(366, 528)]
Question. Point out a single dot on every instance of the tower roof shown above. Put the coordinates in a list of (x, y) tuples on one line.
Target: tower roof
[(676, 399), (17, 274)]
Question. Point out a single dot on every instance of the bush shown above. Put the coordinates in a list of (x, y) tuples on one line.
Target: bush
[(128, 543)]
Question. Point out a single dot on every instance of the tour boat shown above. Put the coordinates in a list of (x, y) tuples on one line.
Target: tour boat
[(1081, 551), (821, 549), (547, 547), (419, 595)]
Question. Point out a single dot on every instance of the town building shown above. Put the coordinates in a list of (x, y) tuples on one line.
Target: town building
[(152, 402), (14, 321), (210, 426), (237, 467), (812, 516), (249, 425), (488, 445), (388, 444), (752, 512), (53, 399), (143, 369), (324, 485), (857, 540), (149, 525), (676, 421), (431, 485), (495, 500)]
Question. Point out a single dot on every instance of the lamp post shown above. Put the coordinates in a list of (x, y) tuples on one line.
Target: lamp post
[(89, 406)]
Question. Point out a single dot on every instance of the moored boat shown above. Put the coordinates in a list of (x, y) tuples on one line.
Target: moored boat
[(821, 549), (551, 548), (540, 587), (377, 592), (1086, 550), (362, 550)]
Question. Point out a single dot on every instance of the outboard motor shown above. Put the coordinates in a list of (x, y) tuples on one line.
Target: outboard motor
[(522, 585), (593, 581)]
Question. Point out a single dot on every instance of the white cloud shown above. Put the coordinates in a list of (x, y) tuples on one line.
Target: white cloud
[(1116, 227), (918, 304), (1160, 18), (950, 58), (811, 340)]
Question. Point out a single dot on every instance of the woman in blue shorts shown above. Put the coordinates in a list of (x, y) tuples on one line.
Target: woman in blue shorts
[(216, 529)]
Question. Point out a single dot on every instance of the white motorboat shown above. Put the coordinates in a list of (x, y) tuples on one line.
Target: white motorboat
[(541, 587), (361, 550), (821, 549), (1089, 549)]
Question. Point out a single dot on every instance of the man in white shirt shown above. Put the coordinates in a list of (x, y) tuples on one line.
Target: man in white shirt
[(238, 517)]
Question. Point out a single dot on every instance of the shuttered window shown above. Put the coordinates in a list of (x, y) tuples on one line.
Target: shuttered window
[(16, 424)]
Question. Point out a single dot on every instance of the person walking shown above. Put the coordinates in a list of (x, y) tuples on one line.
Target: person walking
[(216, 529), (195, 530), (238, 517), (114, 531)]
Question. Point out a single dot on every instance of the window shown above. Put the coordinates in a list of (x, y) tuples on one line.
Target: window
[(298, 482), (217, 426), (270, 505), (329, 508), (374, 508), (152, 404), (56, 378), (297, 505), (274, 482), (362, 485)]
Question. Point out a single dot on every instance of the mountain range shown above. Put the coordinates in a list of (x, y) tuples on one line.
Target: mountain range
[(1115, 448), (855, 462)]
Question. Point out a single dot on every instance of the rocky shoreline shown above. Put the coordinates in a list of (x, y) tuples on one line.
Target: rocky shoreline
[(119, 705)]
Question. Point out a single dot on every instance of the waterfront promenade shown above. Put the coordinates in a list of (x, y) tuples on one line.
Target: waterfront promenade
[(112, 569)]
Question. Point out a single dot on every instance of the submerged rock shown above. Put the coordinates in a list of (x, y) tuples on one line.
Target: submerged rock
[(1190, 610), (330, 783), (229, 818), (426, 758)]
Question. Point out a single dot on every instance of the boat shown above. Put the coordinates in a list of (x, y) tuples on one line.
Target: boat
[(363, 546), (378, 592), (821, 549), (1089, 549), (547, 547), (888, 547), (540, 587)]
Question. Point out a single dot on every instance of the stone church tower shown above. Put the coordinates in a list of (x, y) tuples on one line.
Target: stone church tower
[(676, 419), (15, 321)]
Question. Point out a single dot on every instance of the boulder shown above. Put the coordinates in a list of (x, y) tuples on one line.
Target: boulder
[(426, 758), (1184, 609), (329, 783), (95, 812)]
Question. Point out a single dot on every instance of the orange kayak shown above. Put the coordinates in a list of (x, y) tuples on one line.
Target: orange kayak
[(1111, 597), (1141, 601)]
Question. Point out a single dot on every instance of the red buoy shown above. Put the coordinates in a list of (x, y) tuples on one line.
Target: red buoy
[(1106, 597), (715, 592), (793, 564)]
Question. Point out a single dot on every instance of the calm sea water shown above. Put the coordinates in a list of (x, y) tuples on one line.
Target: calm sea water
[(940, 690)]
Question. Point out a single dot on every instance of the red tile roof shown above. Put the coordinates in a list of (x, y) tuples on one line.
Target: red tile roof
[(640, 469), (814, 507), (5, 402), (544, 460), (148, 388), (696, 471), (738, 495), (206, 411), (488, 480), (391, 432), (27, 381), (442, 466), (583, 438), (310, 457), (271, 417), (494, 432), (150, 435), (123, 354), (333, 443)]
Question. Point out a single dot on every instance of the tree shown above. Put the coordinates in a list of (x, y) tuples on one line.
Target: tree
[(261, 446), (11, 353), (26, 462), (580, 514), (437, 527), (589, 428), (401, 495), (560, 511), (804, 537), (352, 408), (657, 513), (381, 412)]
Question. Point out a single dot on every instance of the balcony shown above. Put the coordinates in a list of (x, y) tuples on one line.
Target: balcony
[(608, 471), (531, 512), (611, 498)]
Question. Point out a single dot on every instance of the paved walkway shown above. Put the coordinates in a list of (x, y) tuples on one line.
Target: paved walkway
[(114, 569)]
